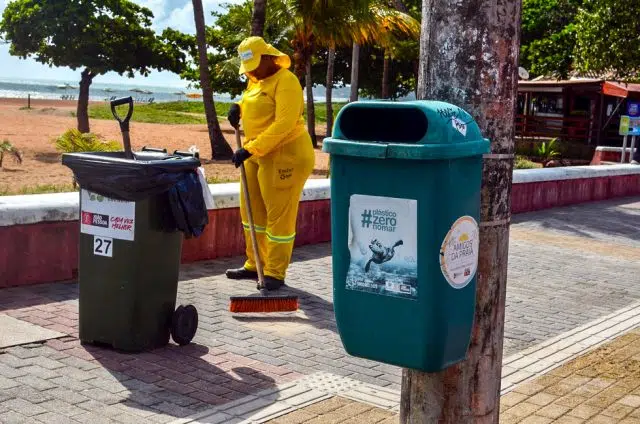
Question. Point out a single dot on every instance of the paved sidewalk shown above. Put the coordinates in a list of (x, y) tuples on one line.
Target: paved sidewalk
[(565, 272), (601, 387)]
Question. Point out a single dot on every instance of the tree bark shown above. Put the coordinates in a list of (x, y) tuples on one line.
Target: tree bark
[(82, 110), (399, 5), (329, 86), (220, 149), (385, 76), (311, 111), (468, 57), (258, 18), (355, 65)]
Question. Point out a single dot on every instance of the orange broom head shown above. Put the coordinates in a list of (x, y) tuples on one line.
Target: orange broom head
[(264, 304)]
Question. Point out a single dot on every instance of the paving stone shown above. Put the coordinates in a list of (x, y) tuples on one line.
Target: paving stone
[(53, 418), (173, 410), (102, 396), (24, 407), (67, 395), (92, 418), (61, 407), (13, 417)]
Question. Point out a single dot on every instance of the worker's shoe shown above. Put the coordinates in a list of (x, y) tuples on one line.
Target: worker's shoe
[(272, 283), (241, 274)]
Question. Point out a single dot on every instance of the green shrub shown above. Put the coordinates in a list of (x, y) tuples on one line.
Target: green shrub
[(547, 151), (74, 141), (6, 148), (524, 163)]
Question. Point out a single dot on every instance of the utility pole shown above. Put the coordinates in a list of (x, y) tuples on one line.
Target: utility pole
[(469, 57)]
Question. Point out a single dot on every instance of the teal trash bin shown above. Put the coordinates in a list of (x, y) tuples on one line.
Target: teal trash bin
[(405, 205)]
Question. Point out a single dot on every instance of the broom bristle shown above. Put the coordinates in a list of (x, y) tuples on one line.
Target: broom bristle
[(264, 304)]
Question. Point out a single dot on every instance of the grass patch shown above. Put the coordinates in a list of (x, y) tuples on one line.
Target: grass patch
[(185, 112), (38, 189), (321, 112), (67, 188), (524, 163), (217, 180), (153, 114)]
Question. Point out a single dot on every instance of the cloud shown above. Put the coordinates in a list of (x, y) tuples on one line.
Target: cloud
[(181, 19), (158, 7), (178, 14)]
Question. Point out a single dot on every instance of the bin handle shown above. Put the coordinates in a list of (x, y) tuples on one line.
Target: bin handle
[(153, 149), (187, 154), (124, 123)]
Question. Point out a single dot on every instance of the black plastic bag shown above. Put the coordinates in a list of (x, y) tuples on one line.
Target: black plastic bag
[(187, 203), (149, 174), (111, 175)]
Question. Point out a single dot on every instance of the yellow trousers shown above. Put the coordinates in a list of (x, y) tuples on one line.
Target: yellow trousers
[(275, 184)]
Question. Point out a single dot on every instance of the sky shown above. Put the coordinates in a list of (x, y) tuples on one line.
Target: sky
[(177, 14)]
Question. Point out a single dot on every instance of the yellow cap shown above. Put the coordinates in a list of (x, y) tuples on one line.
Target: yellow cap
[(251, 51)]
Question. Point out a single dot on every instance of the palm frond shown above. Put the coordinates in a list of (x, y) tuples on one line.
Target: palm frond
[(75, 141), (6, 148)]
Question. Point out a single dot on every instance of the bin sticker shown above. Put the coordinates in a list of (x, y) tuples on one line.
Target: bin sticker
[(459, 252), (106, 217), (459, 125), (383, 246)]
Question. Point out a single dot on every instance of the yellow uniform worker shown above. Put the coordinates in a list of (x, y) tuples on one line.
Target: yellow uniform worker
[(277, 155)]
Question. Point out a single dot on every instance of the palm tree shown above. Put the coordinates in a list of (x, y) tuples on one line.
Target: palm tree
[(379, 23), (6, 148), (258, 18), (220, 149), (387, 41), (331, 59), (314, 23), (391, 24), (355, 69)]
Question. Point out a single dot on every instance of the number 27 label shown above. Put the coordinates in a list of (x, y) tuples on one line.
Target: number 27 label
[(103, 246)]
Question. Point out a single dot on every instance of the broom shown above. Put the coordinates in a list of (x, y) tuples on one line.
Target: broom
[(263, 302)]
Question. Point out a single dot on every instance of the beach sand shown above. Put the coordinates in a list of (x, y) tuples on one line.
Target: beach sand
[(32, 132)]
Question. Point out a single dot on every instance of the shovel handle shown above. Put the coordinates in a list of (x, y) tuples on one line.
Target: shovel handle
[(124, 122)]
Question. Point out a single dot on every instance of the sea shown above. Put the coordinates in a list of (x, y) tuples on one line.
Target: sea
[(68, 90)]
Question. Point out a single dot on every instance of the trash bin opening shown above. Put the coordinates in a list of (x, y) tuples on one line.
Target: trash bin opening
[(389, 125)]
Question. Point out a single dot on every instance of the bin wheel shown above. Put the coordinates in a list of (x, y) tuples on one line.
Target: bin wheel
[(184, 324)]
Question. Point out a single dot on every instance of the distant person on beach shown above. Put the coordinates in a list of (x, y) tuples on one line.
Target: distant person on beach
[(277, 154)]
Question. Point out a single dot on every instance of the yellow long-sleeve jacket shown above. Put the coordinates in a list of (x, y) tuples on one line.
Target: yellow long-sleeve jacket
[(271, 112)]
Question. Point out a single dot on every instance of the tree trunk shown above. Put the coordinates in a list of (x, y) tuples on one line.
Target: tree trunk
[(220, 149), (355, 65), (329, 85), (476, 69), (399, 5), (385, 76), (258, 18), (82, 111), (311, 111)]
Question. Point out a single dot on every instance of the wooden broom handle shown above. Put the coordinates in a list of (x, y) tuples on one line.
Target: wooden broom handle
[(252, 228)]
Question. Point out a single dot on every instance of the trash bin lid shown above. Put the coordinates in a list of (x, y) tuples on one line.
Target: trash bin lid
[(420, 130)]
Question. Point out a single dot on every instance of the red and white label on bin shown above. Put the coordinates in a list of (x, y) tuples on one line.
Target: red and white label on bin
[(105, 217)]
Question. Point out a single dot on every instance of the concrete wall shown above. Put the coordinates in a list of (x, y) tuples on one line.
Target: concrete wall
[(39, 233)]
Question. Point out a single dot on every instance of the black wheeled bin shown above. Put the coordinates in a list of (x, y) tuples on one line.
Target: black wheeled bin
[(130, 249)]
